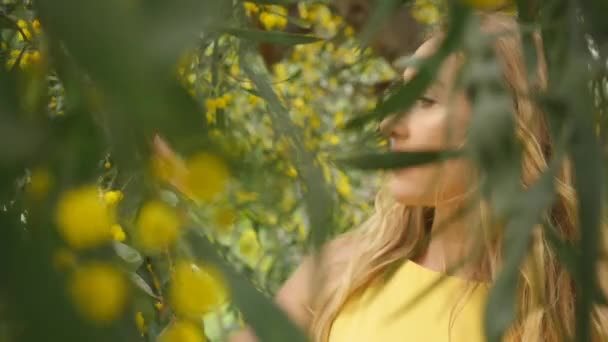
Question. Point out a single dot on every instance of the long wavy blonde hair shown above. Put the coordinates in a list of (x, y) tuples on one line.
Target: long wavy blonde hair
[(396, 232)]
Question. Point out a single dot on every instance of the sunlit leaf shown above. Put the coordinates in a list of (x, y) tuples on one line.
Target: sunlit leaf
[(275, 37)]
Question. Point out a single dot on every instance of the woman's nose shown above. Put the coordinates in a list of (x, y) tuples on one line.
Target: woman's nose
[(393, 126)]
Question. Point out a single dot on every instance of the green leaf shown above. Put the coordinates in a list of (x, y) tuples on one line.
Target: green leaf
[(7, 22), (129, 255), (394, 160), (275, 37), (319, 201), (407, 94), (140, 283), (588, 178), (502, 300), (273, 2)]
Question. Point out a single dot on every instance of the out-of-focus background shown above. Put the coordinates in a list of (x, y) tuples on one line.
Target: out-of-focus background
[(165, 165)]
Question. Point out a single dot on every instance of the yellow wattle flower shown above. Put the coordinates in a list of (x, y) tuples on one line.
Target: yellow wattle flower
[(488, 4), (182, 331), (249, 247), (118, 234), (140, 323), (113, 197), (157, 226), (99, 292), (83, 219), (196, 289), (207, 177), (343, 185)]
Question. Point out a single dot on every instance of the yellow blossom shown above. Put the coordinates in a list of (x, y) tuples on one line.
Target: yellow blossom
[(207, 177), (83, 219), (23, 25), (220, 103), (332, 139), (196, 289), (210, 105), (349, 31), (182, 331), (140, 322), (272, 20), (250, 8), (113, 197), (249, 246), (224, 218), (488, 4), (211, 117), (271, 218), (99, 292), (36, 26), (118, 234), (253, 100), (107, 165), (40, 183), (158, 306), (291, 171), (339, 119), (343, 185), (425, 12), (157, 226)]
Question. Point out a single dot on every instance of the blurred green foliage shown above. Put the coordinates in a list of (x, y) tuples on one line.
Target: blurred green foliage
[(186, 237)]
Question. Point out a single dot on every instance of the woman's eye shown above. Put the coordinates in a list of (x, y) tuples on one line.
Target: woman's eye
[(426, 102)]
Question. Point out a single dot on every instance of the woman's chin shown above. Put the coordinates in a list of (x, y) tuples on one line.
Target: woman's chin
[(408, 191)]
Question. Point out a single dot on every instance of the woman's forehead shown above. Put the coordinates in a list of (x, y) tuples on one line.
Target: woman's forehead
[(427, 49)]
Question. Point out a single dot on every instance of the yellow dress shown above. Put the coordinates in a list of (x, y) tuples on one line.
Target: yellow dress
[(449, 312)]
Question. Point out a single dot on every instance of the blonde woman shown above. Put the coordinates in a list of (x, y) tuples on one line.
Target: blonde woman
[(370, 275)]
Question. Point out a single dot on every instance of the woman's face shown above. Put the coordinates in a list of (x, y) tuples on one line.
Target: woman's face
[(438, 121)]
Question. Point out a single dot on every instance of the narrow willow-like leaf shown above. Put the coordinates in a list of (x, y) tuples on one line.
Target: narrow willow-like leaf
[(273, 2), (406, 95), (393, 160), (318, 199), (131, 257), (502, 300), (588, 178), (275, 37), (141, 284)]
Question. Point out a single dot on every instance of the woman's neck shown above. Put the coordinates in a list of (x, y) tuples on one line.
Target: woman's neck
[(450, 243)]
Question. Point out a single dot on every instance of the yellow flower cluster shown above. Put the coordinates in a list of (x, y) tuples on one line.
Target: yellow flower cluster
[(201, 177), (489, 4), (270, 16), (182, 331), (118, 234), (28, 58), (83, 219), (274, 17), (157, 226), (99, 292), (249, 247), (425, 11), (112, 197), (196, 289), (213, 104)]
